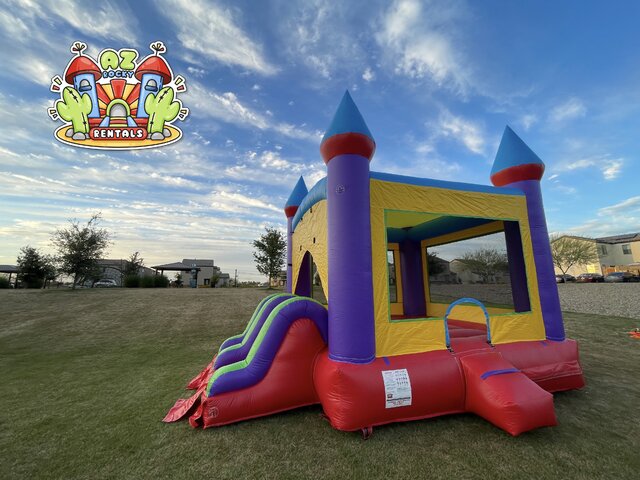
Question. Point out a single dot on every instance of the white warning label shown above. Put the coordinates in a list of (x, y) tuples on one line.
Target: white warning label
[(397, 388)]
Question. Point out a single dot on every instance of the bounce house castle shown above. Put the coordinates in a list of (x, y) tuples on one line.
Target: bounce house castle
[(370, 358)]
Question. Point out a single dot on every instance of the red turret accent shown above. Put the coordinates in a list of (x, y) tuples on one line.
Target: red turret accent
[(290, 211), (518, 173), (154, 64), (81, 64), (350, 143)]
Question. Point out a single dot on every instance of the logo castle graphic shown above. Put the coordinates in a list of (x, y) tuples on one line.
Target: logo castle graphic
[(117, 103)]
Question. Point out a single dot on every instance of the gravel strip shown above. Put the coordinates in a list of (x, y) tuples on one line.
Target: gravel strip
[(614, 299)]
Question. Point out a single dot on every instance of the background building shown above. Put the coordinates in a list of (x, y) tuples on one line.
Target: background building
[(114, 270), (617, 253), (196, 273)]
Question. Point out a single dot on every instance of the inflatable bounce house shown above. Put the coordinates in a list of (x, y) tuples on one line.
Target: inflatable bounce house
[(371, 358)]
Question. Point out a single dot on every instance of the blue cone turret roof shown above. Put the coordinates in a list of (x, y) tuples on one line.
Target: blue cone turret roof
[(299, 192), (513, 152), (347, 119)]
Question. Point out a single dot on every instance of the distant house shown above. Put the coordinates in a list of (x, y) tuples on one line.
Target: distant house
[(446, 275), (619, 253), (463, 272), (616, 253), (280, 280), (196, 273), (115, 270)]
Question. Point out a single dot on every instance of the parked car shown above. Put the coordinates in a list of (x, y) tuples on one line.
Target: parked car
[(565, 278), (105, 283), (619, 277), (589, 278)]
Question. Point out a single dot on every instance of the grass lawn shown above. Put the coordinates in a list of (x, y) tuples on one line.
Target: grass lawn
[(86, 376)]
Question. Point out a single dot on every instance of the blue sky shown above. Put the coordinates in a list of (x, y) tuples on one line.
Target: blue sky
[(436, 81)]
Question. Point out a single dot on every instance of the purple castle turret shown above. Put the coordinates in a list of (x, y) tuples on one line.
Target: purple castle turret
[(517, 166), (290, 209), (347, 148)]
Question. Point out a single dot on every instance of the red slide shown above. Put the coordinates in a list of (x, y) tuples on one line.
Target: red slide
[(501, 394)]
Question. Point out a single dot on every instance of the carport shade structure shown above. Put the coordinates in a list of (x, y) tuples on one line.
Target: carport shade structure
[(10, 269), (176, 267)]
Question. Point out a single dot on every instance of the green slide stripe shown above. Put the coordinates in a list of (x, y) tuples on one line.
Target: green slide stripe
[(252, 323)]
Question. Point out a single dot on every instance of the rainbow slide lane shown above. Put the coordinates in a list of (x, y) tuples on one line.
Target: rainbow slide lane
[(265, 369)]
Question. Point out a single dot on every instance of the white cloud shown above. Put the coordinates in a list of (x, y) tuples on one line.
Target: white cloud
[(419, 43), (415, 164), (612, 169), (26, 26), (527, 121), (103, 19), (196, 72), (320, 35), (616, 219), (227, 107), (175, 181), (631, 204), (565, 189), (308, 35), (368, 75), (462, 130), (14, 26), (424, 148), (609, 167), (270, 168), (569, 110), (212, 31), (230, 201)]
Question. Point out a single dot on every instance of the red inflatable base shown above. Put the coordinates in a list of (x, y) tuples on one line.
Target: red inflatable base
[(508, 385)]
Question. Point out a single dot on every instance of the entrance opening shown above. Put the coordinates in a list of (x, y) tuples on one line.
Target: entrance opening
[(317, 293), (118, 111)]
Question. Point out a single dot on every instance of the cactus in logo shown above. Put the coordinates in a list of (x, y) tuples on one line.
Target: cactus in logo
[(74, 108), (161, 108)]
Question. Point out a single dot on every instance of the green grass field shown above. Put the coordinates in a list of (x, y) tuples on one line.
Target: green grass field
[(86, 377)]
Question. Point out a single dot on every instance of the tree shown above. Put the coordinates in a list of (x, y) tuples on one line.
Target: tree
[(434, 266), (486, 262), (133, 264), (568, 251), (270, 253), (79, 248), (34, 267), (214, 279)]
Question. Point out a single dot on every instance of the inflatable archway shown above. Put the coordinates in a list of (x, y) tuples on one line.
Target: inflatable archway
[(370, 357)]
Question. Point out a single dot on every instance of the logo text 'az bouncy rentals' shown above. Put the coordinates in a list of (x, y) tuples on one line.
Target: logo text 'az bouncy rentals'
[(116, 102)]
